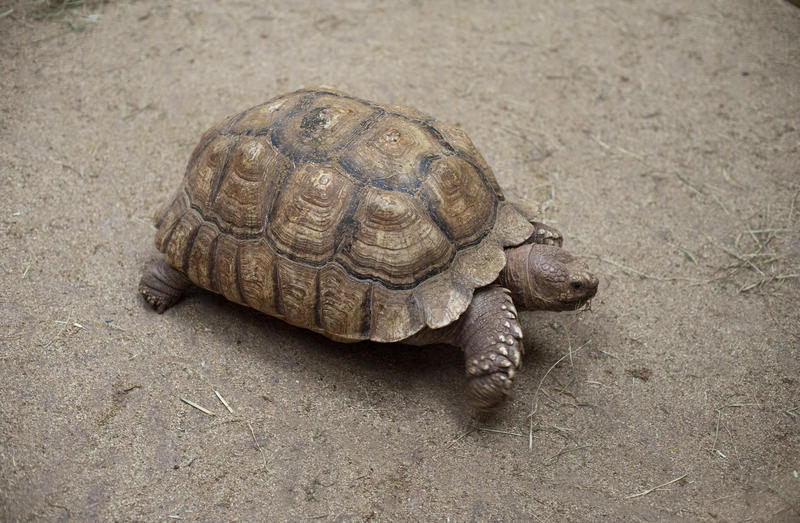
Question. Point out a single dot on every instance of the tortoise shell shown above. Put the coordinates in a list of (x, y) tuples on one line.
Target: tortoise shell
[(350, 218)]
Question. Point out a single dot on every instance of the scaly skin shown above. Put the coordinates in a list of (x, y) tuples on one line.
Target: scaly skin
[(162, 286), (545, 235), (545, 277), (490, 335), (542, 233), (491, 338)]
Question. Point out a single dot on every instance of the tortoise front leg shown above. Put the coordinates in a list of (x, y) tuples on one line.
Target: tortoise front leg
[(543, 234), (490, 336), (162, 286)]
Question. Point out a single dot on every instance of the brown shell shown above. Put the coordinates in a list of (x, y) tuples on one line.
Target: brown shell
[(349, 218)]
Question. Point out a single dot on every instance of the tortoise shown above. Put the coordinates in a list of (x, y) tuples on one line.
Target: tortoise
[(364, 221)]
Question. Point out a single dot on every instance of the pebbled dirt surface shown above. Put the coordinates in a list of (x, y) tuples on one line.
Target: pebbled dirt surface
[(663, 138)]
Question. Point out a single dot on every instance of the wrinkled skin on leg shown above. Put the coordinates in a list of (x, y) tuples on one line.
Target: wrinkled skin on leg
[(162, 286), (491, 338), (490, 335)]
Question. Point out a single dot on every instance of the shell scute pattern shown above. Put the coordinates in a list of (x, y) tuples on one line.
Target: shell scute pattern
[(458, 199), (394, 242), (258, 120), (357, 220), (297, 292), (343, 302), (202, 253), (309, 208), (257, 277), (320, 125), (239, 203), (392, 154), (225, 274)]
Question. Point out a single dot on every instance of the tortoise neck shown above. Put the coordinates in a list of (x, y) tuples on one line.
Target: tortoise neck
[(515, 276)]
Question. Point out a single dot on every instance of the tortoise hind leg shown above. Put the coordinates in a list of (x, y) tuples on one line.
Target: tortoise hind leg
[(491, 338), (162, 286)]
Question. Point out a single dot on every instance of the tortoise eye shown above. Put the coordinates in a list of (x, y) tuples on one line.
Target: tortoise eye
[(576, 285)]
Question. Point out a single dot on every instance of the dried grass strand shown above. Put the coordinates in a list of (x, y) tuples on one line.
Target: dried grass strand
[(653, 489)]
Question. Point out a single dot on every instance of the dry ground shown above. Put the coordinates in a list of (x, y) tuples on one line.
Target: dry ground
[(662, 136)]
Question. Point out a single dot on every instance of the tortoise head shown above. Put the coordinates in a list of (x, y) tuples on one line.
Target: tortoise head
[(546, 277)]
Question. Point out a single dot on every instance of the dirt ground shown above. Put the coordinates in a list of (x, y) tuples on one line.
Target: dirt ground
[(663, 138)]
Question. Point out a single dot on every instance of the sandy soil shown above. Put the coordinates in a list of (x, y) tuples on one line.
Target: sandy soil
[(663, 137)]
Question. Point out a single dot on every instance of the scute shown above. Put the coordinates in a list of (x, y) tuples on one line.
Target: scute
[(225, 276), (395, 315), (354, 219), (200, 256), (259, 119), (393, 154), (168, 216), (321, 125), (253, 169), (296, 292), (459, 199), (395, 240), (344, 303), (459, 140), (257, 279), (308, 211), (181, 238), (204, 172)]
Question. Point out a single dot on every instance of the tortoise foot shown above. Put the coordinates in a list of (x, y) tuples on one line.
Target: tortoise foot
[(546, 235), (543, 234), (491, 338), (487, 393), (162, 286)]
